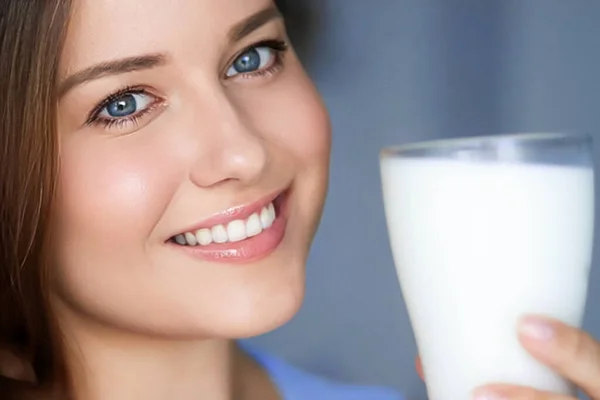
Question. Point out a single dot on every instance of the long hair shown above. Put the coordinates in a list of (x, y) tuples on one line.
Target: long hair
[(31, 36)]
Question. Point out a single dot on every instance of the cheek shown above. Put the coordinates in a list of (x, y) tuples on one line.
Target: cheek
[(292, 116), (299, 129), (304, 127), (112, 191)]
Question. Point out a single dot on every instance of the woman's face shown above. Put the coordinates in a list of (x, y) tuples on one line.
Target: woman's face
[(194, 157)]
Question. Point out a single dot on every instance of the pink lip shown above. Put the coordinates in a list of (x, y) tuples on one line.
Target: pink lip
[(233, 213), (250, 249)]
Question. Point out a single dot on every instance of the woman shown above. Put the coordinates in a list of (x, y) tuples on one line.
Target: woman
[(165, 167), (193, 157)]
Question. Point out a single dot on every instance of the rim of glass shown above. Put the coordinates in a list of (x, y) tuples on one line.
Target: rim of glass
[(457, 142)]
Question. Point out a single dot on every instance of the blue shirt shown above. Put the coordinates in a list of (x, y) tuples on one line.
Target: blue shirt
[(295, 384)]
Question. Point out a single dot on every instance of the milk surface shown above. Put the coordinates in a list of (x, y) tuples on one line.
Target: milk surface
[(477, 245)]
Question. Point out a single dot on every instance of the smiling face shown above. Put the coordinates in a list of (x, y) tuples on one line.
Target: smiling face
[(194, 158)]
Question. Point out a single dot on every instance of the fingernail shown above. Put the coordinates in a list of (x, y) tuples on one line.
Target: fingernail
[(536, 328)]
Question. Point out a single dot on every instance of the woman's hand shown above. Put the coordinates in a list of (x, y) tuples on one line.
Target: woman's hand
[(572, 353)]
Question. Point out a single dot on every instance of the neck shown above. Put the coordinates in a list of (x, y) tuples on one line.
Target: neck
[(107, 364), (151, 369)]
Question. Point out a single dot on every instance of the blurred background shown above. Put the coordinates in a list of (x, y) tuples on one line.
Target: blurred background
[(395, 71)]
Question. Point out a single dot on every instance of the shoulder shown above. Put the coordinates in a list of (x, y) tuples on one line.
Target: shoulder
[(296, 384)]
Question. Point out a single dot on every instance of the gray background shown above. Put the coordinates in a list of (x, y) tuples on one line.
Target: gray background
[(394, 71)]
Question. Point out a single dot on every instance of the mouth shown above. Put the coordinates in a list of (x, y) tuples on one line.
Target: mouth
[(243, 233)]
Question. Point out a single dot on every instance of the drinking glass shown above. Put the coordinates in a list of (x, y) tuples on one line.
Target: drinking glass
[(484, 230)]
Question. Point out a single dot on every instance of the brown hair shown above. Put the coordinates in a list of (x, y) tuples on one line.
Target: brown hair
[(31, 37)]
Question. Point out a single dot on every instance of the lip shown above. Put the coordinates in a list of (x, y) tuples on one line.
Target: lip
[(232, 213), (250, 249)]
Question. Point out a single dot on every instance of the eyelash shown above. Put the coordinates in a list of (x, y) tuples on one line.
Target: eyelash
[(279, 48), (95, 117)]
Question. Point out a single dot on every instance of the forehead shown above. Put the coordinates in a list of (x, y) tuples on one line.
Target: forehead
[(101, 30)]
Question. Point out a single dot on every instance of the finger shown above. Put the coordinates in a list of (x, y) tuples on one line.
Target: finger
[(419, 368), (507, 392), (569, 351)]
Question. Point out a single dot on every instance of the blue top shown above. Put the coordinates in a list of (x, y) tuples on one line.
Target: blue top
[(295, 384)]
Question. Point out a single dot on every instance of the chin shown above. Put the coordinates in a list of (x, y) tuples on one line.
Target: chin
[(244, 322), (263, 312), (262, 322), (269, 296)]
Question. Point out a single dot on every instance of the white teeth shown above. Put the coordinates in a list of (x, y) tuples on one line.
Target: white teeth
[(180, 239), (235, 231), (253, 226), (204, 237), (191, 239), (265, 218), (219, 234), (271, 209)]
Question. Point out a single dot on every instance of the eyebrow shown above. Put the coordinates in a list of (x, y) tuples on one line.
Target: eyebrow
[(252, 23), (115, 67), (138, 63)]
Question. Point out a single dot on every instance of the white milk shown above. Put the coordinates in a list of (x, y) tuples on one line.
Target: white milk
[(476, 245)]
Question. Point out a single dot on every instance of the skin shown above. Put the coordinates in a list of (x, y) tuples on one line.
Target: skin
[(142, 318)]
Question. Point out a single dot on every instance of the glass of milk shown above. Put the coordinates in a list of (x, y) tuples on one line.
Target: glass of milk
[(484, 230)]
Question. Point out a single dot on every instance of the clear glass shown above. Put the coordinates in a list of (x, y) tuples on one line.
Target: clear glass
[(484, 230)]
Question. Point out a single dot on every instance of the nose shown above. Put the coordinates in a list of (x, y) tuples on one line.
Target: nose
[(233, 150)]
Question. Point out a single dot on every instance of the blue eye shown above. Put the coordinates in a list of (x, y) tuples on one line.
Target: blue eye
[(126, 106), (125, 109), (252, 60)]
